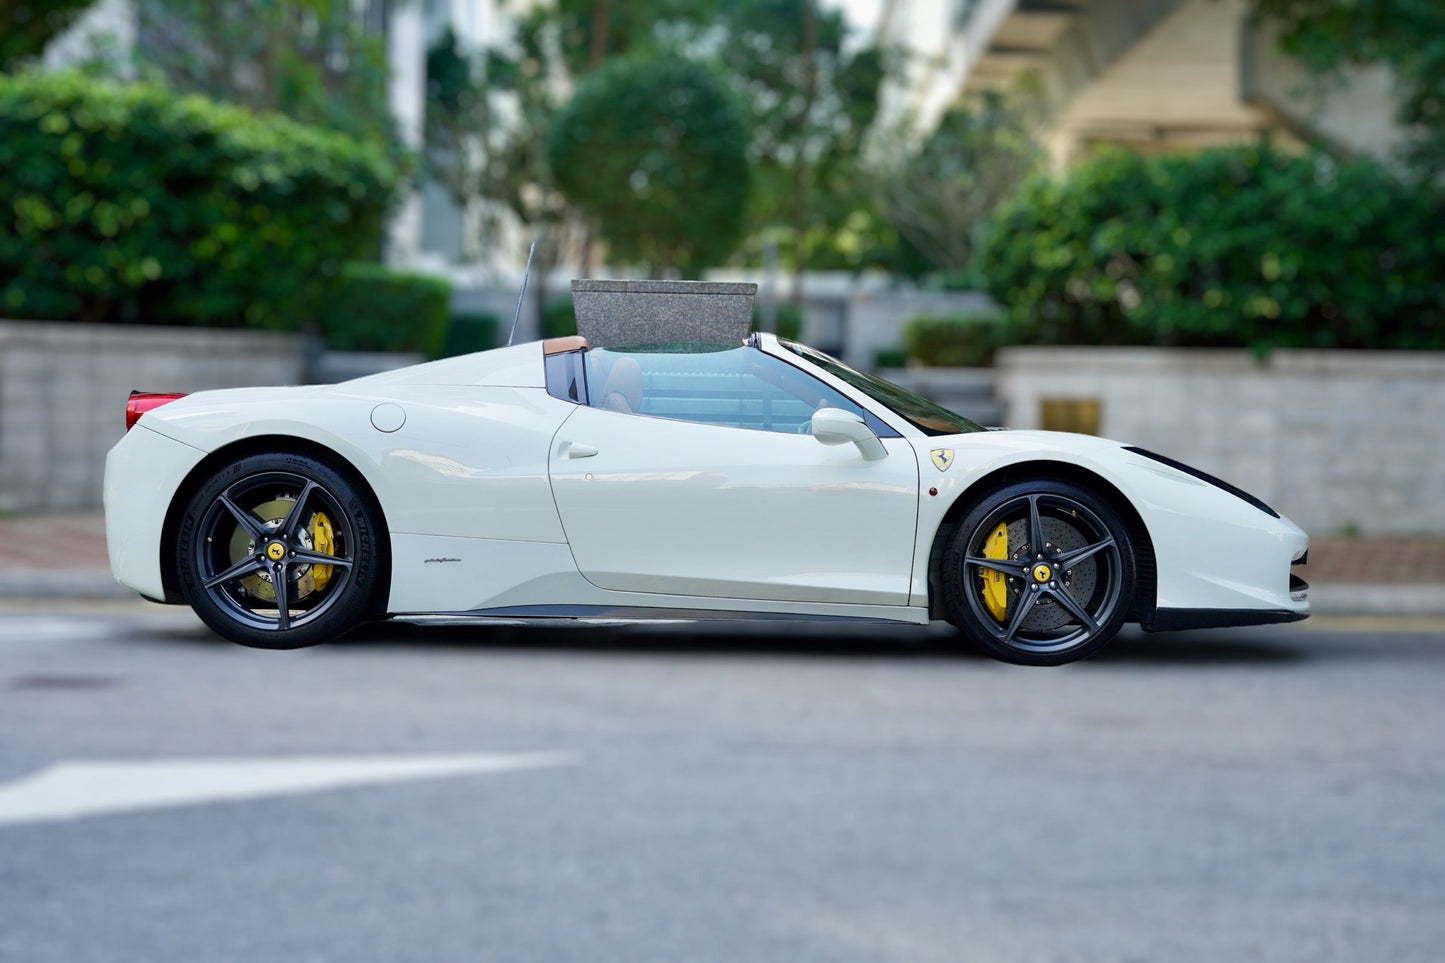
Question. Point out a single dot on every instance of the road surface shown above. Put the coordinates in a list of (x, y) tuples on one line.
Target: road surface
[(808, 794)]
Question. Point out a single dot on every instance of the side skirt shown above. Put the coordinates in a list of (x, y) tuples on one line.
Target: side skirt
[(1175, 620), (629, 615)]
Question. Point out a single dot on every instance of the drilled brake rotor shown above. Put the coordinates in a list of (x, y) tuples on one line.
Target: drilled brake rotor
[(259, 584), (1059, 535)]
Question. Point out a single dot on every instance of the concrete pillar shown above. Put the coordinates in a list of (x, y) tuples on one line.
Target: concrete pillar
[(105, 32), (406, 53)]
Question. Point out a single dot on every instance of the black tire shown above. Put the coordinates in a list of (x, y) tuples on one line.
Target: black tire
[(271, 519), (1088, 568)]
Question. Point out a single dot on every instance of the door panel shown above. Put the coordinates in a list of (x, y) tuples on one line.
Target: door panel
[(674, 507)]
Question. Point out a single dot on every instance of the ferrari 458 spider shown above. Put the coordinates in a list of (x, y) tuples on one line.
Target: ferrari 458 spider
[(555, 480)]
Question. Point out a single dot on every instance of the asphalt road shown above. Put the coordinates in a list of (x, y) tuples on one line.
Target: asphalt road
[(437, 795)]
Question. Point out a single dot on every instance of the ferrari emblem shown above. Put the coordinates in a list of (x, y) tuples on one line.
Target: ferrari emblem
[(275, 551), (942, 458)]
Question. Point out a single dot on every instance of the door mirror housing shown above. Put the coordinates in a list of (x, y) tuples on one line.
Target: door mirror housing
[(834, 426)]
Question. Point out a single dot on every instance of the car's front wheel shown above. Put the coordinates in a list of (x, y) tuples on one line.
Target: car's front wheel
[(1039, 573), (279, 551)]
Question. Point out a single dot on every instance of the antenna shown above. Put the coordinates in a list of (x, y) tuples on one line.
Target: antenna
[(522, 293)]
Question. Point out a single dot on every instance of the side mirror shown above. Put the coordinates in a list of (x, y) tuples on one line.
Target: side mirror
[(834, 426)]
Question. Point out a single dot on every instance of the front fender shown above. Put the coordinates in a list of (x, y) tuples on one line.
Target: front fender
[(1212, 549)]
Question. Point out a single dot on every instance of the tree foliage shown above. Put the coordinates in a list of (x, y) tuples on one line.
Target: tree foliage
[(312, 60), (1408, 36), (812, 96), (655, 149), (938, 197), (488, 113), (134, 203), (808, 93), (1232, 246)]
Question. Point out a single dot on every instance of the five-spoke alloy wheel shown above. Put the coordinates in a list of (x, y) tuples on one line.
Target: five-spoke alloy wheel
[(1039, 573), (278, 551)]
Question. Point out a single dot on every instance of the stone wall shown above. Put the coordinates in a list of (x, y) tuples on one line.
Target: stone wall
[(1339, 441), (63, 390)]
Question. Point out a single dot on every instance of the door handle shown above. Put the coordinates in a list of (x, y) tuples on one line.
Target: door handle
[(574, 450)]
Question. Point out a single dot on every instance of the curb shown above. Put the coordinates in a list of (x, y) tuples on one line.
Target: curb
[(75, 584), (1360, 598)]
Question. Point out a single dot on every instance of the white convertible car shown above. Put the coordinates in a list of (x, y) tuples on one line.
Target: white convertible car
[(671, 481)]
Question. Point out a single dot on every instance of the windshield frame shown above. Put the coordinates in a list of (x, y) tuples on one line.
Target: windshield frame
[(926, 416)]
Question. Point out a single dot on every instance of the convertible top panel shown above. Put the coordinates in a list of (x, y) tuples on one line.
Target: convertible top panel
[(611, 313)]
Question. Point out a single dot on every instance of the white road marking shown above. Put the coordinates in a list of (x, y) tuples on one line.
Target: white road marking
[(74, 789), (46, 629)]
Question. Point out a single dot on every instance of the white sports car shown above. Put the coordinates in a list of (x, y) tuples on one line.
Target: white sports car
[(669, 481)]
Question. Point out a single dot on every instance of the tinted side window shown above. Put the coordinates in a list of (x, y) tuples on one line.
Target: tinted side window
[(565, 377), (735, 387)]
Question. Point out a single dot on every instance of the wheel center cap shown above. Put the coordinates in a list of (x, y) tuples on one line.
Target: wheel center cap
[(277, 551), (1042, 573)]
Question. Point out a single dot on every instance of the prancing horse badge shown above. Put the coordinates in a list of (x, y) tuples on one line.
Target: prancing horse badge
[(942, 458)]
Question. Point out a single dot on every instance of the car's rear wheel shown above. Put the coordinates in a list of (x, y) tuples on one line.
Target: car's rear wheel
[(1039, 573), (279, 551)]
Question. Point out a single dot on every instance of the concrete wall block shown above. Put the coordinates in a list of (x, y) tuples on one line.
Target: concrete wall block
[(1332, 439), (63, 389)]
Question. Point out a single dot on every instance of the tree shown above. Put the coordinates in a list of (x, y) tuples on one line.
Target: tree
[(812, 99), (590, 32), (809, 97), (488, 113), (938, 197), (26, 26), (655, 149), (313, 60), (1408, 36)]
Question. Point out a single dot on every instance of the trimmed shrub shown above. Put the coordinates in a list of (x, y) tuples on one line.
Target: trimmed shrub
[(1248, 246), (789, 318), (376, 309), (954, 341), (559, 318), (470, 332), (890, 358), (134, 203)]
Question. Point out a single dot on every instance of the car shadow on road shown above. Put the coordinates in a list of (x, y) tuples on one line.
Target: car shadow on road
[(1205, 646), (820, 640)]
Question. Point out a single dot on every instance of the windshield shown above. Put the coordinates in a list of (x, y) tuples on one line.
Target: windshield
[(923, 414)]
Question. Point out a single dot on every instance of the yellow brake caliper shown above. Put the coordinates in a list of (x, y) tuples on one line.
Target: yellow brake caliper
[(995, 583), (323, 540)]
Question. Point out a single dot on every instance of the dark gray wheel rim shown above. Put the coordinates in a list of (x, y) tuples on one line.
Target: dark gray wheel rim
[(278, 550), (1084, 614)]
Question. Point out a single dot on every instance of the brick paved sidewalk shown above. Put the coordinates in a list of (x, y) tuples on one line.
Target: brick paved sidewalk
[(63, 554)]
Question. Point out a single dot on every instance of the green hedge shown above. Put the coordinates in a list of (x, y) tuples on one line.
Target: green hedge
[(1242, 246), (788, 317), (559, 318), (470, 332), (135, 203), (958, 341), (376, 309)]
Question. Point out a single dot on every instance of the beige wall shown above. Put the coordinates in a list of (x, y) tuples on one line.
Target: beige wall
[(1336, 440)]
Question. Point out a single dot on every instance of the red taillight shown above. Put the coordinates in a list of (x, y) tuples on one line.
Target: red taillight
[(142, 401)]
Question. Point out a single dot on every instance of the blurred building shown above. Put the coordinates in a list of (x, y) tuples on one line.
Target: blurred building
[(1160, 74)]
